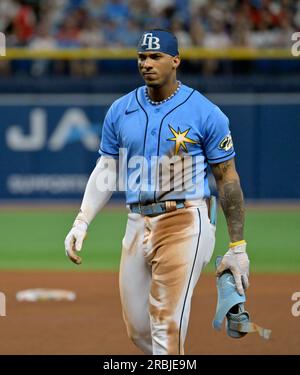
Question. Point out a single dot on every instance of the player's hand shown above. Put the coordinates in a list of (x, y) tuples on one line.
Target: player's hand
[(74, 240), (237, 261)]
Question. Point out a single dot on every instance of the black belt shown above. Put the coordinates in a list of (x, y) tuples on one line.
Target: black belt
[(156, 208)]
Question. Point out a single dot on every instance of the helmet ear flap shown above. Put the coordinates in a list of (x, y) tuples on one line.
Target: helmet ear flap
[(236, 318)]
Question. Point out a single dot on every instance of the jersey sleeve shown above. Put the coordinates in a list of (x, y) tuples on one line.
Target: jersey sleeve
[(109, 144), (217, 140)]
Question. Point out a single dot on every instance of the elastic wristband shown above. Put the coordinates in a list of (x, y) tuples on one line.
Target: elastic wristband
[(81, 217), (233, 244)]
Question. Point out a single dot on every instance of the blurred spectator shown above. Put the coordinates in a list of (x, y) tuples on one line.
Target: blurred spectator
[(92, 36), (111, 32), (140, 11), (196, 32), (95, 8), (8, 11), (217, 24), (297, 15), (24, 23), (116, 10), (184, 38), (43, 39), (217, 36), (130, 35), (97, 23), (160, 5), (240, 26), (68, 33)]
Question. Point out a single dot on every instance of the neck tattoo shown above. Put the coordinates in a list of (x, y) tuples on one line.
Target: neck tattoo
[(164, 100)]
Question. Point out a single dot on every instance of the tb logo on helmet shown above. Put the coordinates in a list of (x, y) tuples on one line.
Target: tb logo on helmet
[(152, 42)]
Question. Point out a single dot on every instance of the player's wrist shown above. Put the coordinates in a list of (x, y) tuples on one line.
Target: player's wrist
[(81, 222), (237, 243), (238, 246)]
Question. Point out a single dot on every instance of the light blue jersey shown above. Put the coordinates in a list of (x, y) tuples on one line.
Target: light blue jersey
[(188, 130)]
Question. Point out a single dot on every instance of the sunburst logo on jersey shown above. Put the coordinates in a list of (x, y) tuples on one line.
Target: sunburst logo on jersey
[(180, 139)]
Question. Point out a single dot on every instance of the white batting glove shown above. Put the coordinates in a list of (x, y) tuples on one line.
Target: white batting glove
[(74, 240), (237, 261)]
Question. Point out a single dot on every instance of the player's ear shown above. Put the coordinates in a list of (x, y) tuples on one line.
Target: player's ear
[(176, 61)]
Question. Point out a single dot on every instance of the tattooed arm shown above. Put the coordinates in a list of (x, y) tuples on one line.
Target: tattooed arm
[(231, 198), (232, 202)]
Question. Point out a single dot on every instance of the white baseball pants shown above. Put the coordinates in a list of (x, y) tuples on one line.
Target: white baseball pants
[(162, 258)]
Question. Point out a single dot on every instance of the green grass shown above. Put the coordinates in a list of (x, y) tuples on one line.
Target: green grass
[(35, 239), (272, 240)]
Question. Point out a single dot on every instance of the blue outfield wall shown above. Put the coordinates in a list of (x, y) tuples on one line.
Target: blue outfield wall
[(49, 143)]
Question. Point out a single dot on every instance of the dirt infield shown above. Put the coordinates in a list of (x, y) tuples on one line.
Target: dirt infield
[(93, 323)]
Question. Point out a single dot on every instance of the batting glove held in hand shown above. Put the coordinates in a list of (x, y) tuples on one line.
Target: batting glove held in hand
[(74, 240), (237, 261)]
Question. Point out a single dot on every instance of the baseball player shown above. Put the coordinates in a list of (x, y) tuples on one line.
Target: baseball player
[(167, 134)]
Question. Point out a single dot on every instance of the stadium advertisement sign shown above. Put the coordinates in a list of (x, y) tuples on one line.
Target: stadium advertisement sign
[(47, 151), (49, 143)]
